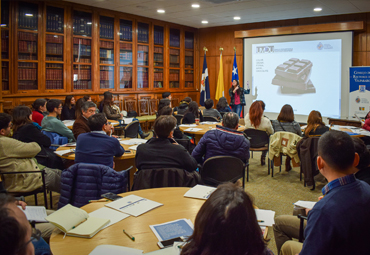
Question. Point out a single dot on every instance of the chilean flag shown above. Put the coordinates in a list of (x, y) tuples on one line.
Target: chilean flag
[(235, 75), (204, 86)]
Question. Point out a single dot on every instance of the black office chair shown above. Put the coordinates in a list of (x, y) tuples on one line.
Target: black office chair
[(259, 141), (179, 118), (184, 142), (210, 119), (221, 169), (301, 227), (132, 129)]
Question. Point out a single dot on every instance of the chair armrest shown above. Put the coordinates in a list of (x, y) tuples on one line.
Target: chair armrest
[(302, 218)]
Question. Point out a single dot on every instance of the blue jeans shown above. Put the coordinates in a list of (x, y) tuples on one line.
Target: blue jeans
[(237, 108), (41, 247)]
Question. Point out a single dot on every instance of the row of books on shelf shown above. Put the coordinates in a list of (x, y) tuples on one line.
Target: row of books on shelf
[(27, 74), (189, 60), (54, 74), (106, 44), (189, 84), (125, 84), (106, 75), (189, 43), (4, 45), (24, 36), (82, 50), (106, 30), (5, 73), (142, 48), (125, 46), (82, 74), (54, 58), (174, 84), (27, 47), (5, 85), (174, 59), (142, 56), (174, 52), (81, 41), (158, 57), (174, 41), (82, 60), (106, 53), (189, 53), (54, 23), (126, 76), (125, 33), (142, 84), (158, 38), (54, 48), (4, 34), (54, 84), (54, 39), (158, 84), (189, 77), (27, 22), (82, 26), (106, 84), (174, 76), (125, 55), (158, 76), (27, 85), (143, 35), (106, 61), (158, 50), (82, 84)]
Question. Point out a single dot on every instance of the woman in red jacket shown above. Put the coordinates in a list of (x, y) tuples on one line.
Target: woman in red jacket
[(39, 106)]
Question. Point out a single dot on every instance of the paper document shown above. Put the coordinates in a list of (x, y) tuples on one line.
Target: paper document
[(134, 148), (127, 120), (62, 152), (109, 214), (192, 129), (267, 216), (115, 250), (174, 250), (173, 229), (304, 204), (133, 205), (68, 122), (35, 213), (200, 191), (188, 125), (133, 141), (69, 145), (209, 122)]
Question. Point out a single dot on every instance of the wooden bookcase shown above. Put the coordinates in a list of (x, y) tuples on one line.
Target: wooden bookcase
[(51, 49)]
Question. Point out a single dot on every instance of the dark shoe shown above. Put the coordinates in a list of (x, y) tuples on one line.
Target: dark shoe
[(144, 135), (263, 161)]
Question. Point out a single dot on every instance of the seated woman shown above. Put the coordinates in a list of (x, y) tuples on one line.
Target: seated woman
[(222, 105), (68, 111), (183, 106), (255, 119), (25, 131), (285, 123), (226, 224), (192, 113), (315, 126), (39, 107), (108, 108)]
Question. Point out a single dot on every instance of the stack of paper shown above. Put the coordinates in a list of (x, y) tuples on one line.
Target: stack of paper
[(304, 204), (188, 125), (173, 229), (200, 191), (134, 148), (109, 214), (133, 141), (68, 122), (35, 213), (192, 129), (133, 205), (265, 217)]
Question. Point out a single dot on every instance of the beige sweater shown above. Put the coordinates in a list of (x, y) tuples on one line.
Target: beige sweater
[(286, 143), (16, 156), (264, 126)]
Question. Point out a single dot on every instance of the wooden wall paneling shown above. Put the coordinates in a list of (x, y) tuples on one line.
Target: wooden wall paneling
[(368, 33), (194, 96), (145, 96), (359, 58)]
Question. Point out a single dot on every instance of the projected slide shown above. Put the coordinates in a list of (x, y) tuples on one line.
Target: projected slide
[(304, 74)]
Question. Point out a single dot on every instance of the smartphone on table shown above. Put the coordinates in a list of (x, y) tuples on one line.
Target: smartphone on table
[(169, 242), (111, 196)]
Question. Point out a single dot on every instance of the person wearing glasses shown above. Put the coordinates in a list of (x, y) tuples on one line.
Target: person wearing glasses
[(97, 147), (17, 236), (51, 123)]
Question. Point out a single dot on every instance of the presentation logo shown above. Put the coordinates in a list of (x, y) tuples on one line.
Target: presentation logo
[(358, 100), (361, 108), (320, 46), (265, 49), (362, 88)]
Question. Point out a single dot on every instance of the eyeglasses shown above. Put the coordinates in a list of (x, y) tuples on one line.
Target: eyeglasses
[(108, 123), (35, 236)]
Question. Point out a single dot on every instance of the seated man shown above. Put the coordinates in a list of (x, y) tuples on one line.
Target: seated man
[(339, 222), (97, 147), (209, 111), (16, 156), (225, 140), (50, 123), (162, 151), (80, 125)]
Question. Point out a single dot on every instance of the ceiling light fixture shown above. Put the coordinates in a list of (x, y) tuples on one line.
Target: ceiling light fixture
[(236, 18), (195, 5), (204, 21), (88, 23), (161, 11), (318, 9)]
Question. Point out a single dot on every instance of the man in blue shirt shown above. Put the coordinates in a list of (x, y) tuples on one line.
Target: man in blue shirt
[(97, 147), (339, 222)]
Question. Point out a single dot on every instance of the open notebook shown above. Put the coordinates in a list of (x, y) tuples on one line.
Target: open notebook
[(76, 222)]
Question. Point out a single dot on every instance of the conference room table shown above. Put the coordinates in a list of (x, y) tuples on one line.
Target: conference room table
[(69, 123), (175, 206), (204, 127)]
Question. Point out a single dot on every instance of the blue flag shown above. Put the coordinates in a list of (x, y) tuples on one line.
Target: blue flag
[(235, 75), (204, 86)]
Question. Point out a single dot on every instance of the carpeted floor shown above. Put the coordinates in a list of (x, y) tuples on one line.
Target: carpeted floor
[(277, 193)]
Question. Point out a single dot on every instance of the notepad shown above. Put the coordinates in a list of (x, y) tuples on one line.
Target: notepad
[(200, 191), (192, 129), (76, 222), (133, 141), (304, 204), (115, 250), (173, 229), (35, 213), (107, 213), (267, 216), (133, 205)]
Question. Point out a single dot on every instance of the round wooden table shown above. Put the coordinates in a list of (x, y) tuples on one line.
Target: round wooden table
[(204, 128), (113, 122), (175, 206)]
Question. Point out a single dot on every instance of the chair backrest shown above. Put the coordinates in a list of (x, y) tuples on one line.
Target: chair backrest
[(143, 107), (211, 119), (185, 143), (221, 169), (165, 177), (132, 129), (153, 106), (55, 138), (83, 182), (119, 104), (257, 138), (179, 118), (131, 105), (307, 149)]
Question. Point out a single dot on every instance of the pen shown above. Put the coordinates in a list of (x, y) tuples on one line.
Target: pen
[(129, 236), (260, 221), (94, 201), (79, 223)]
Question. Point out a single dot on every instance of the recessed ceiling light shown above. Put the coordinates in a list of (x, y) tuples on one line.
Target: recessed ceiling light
[(318, 9), (204, 21), (29, 14), (237, 18), (195, 5), (88, 23), (161, 11)]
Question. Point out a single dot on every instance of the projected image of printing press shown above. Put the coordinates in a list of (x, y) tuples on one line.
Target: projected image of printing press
[(293, 77)]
